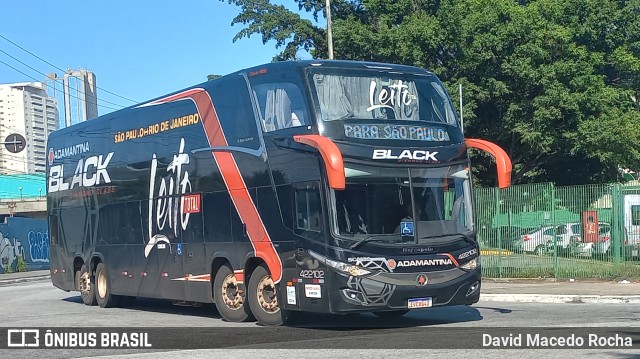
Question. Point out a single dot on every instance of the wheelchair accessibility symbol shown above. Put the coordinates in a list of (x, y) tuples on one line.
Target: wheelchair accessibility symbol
[(406, 228), (179, 249)]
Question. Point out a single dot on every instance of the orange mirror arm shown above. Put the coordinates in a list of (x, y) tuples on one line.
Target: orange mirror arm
[(503, 161), (330, 154)]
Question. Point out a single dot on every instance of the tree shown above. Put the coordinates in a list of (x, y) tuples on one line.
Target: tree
[(556, 83)]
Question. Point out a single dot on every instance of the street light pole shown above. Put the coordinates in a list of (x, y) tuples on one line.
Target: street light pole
[(329, 34), (20, 188)]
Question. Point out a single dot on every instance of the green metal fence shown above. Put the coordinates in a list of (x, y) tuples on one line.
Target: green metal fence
[(540, 230)]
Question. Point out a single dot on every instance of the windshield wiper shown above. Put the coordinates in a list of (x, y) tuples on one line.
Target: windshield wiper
[(464, 236), (365, 240), (468, 239)]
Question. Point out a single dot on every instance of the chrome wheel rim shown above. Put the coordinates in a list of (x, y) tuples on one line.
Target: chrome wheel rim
[(102, 284), (232, 294), (267, 295), (84, 284)]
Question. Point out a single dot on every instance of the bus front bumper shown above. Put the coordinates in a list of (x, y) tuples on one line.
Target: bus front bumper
[(403, 291)]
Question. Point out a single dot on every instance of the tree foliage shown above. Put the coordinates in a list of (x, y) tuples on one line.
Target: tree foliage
[(556, 83)]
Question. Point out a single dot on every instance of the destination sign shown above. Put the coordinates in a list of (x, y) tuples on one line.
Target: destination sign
[(396, 132)]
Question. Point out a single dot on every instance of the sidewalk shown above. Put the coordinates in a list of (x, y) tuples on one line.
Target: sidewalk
[(20, 277), (560, 291), (495, 290)]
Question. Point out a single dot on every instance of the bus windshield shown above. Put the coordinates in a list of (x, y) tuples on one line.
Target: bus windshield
[(377, 202), (381, 95)]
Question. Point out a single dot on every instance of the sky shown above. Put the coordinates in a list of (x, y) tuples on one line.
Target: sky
[(137, 49)]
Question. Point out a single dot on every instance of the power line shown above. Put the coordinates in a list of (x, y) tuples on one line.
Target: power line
[(56, 67), (53, 88), (43, 74)]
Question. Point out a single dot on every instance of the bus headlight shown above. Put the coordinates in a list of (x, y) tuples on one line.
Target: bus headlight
[(352, 270), (470, 265)]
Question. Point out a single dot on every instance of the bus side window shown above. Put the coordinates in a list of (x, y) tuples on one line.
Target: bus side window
[(308, 210), (287, 206), (280, 102), (134, 232), (216, 215), (232, 101), (53, 229)]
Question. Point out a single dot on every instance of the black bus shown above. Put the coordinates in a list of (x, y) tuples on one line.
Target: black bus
[(308, 186)]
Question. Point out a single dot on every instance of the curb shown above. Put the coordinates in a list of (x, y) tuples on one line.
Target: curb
[(23, 280), (562, 299)]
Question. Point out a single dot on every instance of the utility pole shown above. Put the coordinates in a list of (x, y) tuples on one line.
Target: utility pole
[(329, 35)]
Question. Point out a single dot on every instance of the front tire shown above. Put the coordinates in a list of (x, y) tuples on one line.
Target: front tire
[(230, 297), (263, 299), (103, 289), (86, 287), (539, 250)]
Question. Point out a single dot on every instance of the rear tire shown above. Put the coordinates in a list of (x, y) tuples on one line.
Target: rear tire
[(89, 294), (539, 250), (103, 289), (263, 299), (230, 297), (392, 313)]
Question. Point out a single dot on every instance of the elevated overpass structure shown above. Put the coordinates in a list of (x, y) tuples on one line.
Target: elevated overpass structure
[(23, 195), (26, 207)]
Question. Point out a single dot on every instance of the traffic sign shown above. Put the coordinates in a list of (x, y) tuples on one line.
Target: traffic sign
[(15, 143)]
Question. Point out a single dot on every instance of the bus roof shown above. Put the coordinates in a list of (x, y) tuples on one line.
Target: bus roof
[(346, 64), (273, 66)]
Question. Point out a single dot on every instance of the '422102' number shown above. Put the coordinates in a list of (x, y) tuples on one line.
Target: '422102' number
[(312, 274)]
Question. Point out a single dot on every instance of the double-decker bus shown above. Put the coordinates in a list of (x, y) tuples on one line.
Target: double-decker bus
[(309, 186)]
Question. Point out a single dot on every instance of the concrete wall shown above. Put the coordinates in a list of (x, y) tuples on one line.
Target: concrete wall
[(27, 238)]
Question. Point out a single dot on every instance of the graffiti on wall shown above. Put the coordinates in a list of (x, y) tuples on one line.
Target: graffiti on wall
[(10, 250), (39, 246), (24, 240)]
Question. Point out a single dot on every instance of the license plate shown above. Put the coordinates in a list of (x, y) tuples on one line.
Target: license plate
[(419, 303)]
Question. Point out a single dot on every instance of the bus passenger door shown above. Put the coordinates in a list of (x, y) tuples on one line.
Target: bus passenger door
[(172, 269), (193, 250), (166, 250)]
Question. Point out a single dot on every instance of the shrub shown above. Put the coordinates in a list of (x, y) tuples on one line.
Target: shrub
[(22, 265)]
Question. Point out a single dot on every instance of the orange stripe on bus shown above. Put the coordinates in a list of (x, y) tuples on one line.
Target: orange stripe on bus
[(455, 262), (233, 180), (239, 275)]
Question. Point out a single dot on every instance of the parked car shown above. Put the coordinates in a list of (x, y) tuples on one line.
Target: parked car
[(602, 249), (568, 239), (584, 247), (503, 237), (532, 240)]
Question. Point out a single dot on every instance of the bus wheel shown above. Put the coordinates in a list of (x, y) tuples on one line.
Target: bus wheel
[(392, 313), (103, 289), (263, 298), (230, 296), (86, 288)]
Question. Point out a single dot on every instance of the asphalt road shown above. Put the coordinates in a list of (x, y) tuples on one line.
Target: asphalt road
[(39, 304)]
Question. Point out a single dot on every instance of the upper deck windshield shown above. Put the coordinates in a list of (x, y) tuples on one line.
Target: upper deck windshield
[(399, 206), (372, 94)]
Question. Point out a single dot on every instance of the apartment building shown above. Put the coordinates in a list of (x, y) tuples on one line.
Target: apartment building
[(27, 117)]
